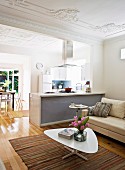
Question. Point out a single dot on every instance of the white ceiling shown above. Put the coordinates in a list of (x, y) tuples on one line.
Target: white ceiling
[(98, 18), (23, 38)]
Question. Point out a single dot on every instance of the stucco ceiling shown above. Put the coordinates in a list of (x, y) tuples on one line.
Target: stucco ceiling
[(99, 18), (23, 38)]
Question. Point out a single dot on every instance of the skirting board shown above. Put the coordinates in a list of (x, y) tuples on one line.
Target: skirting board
[(57, 122)]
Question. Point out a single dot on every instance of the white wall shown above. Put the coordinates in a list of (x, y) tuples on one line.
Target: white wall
[(49, 56), (114, 68), (96, 68)]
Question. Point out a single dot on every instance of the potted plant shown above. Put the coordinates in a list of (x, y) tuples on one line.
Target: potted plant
[(81, 123), (6, 84)]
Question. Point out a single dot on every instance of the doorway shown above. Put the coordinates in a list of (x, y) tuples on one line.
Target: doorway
[(17, 69)]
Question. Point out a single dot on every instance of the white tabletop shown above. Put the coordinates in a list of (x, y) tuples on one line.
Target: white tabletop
[(78, 106), (88, 146)]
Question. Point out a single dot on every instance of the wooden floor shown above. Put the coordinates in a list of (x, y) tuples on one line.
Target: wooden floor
[(19, 127)]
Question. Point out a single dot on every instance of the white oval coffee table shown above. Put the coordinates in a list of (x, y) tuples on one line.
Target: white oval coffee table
[(88, 146)]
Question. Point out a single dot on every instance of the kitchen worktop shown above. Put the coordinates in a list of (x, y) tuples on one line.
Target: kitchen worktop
[(65, 94)]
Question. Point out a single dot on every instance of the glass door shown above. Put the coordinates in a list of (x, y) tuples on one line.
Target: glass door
[(9, 78)]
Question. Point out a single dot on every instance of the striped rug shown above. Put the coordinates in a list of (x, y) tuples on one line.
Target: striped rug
[(42, 153)]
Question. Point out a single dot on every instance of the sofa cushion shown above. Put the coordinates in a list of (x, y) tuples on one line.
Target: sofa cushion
[(101, 109), (118, 107), (90, 110), (110, 123)]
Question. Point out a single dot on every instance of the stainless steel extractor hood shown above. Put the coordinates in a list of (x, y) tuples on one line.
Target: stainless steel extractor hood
[(67, 53), (67, 65)]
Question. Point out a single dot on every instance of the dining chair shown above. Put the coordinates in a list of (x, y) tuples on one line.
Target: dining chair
[(5, 102), (19, 102)]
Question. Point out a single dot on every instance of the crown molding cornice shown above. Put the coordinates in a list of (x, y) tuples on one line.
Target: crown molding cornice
[(110, 28), (48, 30), (68, 14), (16, 2), (114, 39), (65, 18)]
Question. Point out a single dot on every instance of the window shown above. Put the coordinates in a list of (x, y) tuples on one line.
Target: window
[(123, 53), (12, 75)]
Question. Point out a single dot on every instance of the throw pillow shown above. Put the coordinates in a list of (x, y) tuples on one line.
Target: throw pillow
[(90, 110), (102, 109), (118, 107)]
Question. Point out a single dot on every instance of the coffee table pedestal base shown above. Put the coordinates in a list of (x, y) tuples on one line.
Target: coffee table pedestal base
[(73, 152)]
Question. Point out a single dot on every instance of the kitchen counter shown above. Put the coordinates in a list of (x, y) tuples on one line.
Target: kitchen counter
[(45, 109), (66, 94)]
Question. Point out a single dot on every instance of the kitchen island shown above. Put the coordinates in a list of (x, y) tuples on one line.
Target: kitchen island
[(45, 109)]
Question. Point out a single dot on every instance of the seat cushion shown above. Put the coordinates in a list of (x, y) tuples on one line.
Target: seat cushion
[(110, 123), (101, 109), (118, 107)]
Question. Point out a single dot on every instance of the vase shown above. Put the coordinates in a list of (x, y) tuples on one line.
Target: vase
[(80, 136)]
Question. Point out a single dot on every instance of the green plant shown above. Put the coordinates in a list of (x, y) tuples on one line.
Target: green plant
[(16, 83), (6, 83), (3, 73)]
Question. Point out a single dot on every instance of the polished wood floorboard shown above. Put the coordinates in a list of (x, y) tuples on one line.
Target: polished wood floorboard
[(20, 127)]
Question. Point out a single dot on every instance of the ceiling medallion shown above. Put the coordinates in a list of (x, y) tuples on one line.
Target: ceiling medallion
[(16, 2), (65, 14), (109, 28)]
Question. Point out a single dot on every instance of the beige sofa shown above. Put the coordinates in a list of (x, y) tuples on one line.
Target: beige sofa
[(114, 124)]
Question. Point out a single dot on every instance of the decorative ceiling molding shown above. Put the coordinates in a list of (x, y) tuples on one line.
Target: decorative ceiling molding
[(48, 30), (110, 28), (66, 14), (66, 19), (63, 17), (16, 2)]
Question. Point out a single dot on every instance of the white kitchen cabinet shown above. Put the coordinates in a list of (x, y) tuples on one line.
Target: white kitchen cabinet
[(74, 74), (85, 73), (55, 73), (63, 73), (59, 73), (67, 73)]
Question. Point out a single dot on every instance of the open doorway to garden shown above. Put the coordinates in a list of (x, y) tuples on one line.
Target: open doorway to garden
[(15, 74)]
